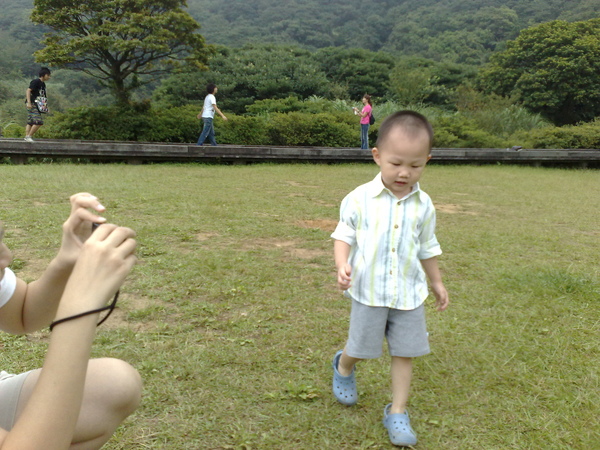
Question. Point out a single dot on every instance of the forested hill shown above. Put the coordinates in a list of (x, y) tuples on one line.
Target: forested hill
[(462, 31)]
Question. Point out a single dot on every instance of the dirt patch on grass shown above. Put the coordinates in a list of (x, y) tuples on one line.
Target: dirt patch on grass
[(291, 248), (322, 224), (296, 184), (205, 236), (453, 208), (128, 303)]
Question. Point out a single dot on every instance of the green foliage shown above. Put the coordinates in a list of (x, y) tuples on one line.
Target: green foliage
[(118, 41), (139, 122), (311, 130), (458, 131), (243, 130), (361, 71), (497, 115), (119, 123), (171, 125), (254, 72), (553, 69), (585, 135), (459, 31)]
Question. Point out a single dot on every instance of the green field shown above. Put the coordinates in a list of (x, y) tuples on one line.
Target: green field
[(232, 315)]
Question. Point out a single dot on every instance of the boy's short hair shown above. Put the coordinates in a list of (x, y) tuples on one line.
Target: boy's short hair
[(43, 71), (411, 122), (210, 88)]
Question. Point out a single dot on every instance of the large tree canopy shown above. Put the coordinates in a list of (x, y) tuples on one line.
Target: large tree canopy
[(553, 68), (117, 41)]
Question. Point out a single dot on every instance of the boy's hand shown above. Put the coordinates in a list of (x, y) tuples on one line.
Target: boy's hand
[(343, 276), (441, 296), (78, 227)]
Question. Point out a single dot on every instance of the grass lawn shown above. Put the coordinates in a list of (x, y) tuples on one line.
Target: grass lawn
[(232, 315)]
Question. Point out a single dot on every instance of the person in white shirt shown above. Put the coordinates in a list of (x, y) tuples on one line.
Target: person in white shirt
[(72, 401), (384, 247), (208, 114)]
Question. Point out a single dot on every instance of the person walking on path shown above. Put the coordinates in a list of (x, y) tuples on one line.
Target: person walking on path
[(208, 114), (37, 88), (365, 118), (384, 248)]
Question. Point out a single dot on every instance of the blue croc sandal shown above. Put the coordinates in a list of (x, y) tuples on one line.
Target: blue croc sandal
[(344, 388), (399, 429)]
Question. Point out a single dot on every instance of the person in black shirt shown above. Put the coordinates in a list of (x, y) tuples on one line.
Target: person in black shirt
[(37, 88)]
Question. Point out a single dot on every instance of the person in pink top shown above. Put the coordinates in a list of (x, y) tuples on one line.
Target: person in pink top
[(365, 116)]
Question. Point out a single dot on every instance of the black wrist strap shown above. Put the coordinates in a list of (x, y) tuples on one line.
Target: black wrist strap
[(110, 308)]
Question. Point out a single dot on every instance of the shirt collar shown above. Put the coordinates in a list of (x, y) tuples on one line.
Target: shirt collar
[(376, 188)]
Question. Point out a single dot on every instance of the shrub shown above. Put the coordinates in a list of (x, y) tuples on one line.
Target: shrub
[(311, 130), (179, 124), (585, 135), (12, 130), (99, 123), (457, 131), (243, 130)]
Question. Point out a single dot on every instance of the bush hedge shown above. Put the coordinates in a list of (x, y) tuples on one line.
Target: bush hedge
[(180, 124), (584, 135), (331, 128)]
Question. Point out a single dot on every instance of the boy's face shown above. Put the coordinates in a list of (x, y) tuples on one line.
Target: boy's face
[(402, 159), (5, 254)]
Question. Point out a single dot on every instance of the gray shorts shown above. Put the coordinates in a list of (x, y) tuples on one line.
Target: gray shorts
[(405, 332), (10, 390)]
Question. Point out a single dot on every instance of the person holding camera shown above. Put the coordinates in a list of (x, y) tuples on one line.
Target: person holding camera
[(72, 401), (365, 120)]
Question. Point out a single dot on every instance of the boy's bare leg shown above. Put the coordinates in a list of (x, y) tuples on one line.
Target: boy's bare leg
[(401, 378), (346, 364)]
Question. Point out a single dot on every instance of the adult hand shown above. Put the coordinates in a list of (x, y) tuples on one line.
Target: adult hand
[(78, 226), (105, 259)]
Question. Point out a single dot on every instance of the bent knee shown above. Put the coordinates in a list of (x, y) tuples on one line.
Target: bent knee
[(121, 381)]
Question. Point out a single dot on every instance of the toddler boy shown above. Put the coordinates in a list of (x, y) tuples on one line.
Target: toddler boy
[(384, 247)]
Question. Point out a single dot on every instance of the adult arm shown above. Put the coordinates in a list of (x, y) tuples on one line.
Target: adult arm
[(34, 305), (28, 97), (432, 270), (219, 111), (49, 419), (362, 113)]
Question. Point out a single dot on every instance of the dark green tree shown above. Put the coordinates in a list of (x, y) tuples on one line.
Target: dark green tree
[(123, 43), (254, 72), (362, 71), (553, 69)]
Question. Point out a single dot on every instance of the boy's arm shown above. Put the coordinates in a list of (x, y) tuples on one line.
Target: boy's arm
[(341, 252), (34, 305), (199, 116), (435, 279)]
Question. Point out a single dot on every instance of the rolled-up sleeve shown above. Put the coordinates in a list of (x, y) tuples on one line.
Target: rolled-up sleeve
[(346, 227), (429, 245)]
